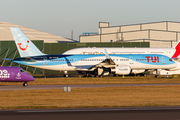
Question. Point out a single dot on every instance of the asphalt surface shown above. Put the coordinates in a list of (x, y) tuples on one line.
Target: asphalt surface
[(129, 113), (41, 87)]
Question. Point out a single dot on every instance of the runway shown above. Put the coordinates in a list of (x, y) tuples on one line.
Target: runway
[(124, 113), (41, 87)]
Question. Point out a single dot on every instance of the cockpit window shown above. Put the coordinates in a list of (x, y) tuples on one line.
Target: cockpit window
[(21, 70)]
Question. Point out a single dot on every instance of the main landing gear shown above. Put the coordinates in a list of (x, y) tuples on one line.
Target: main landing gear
[(65, 73), (25, 84)]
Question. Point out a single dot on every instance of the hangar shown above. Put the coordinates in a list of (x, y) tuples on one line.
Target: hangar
[(5, 34), (158, 34)]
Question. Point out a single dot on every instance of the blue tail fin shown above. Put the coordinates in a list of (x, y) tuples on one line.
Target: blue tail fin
[(25, 47)]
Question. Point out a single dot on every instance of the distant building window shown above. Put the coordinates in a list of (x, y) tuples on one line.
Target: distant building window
[(90, 33)]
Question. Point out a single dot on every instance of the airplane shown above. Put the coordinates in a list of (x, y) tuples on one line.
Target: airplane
[(97, 65), (14, 74), (170, 52)]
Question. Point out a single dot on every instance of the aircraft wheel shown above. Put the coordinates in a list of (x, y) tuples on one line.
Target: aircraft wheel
[(25, 84), (65, 75), (100, 76), (156, 76)]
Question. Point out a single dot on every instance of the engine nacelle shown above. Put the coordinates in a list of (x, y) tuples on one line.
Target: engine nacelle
[(137, 71), (123, 70), (166, 72)]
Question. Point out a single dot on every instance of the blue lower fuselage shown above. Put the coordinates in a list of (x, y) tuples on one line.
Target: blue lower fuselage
[(71, 62)]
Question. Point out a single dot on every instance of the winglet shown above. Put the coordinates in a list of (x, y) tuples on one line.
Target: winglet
[(106, 54)]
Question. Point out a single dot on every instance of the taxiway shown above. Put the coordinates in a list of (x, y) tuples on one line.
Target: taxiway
[(41, 87)]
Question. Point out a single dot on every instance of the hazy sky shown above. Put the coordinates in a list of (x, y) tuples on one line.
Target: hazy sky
[(59, 17)]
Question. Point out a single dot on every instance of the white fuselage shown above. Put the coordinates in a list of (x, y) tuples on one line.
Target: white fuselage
[(162, 51)]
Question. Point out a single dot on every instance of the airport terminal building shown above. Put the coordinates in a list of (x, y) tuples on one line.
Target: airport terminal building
[(158, 34)]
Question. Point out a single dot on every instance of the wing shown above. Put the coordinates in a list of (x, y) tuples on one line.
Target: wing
[(107, 63)]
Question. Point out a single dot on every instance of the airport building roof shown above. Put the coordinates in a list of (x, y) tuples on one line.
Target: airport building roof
[(5, 34), (159, 34)]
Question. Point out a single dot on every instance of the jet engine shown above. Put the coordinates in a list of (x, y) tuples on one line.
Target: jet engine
[(122, 70), (137, 71)]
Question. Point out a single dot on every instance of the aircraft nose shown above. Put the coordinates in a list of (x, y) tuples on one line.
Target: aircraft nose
[(29, 77)]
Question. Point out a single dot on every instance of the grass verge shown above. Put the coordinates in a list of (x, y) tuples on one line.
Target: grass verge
[(91, 97), (105, 80)]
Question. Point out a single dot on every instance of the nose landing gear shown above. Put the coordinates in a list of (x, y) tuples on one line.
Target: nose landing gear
[(25, 84)]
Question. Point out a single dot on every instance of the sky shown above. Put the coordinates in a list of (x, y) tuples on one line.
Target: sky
[(60, 17)]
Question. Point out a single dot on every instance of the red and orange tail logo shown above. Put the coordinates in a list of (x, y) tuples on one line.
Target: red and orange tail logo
[(177, 53), (23, 49)]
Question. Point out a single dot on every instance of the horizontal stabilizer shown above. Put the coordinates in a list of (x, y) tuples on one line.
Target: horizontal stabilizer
[(8, 59), (176, 59)]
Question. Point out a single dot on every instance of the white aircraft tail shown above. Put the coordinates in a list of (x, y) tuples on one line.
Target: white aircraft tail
[(25, 47)]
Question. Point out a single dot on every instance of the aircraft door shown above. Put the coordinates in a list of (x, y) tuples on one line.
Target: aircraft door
[(163, 60), (45, 60), (131, 60), (75, 61)]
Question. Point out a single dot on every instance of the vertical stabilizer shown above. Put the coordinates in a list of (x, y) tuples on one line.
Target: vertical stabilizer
[(177, 53), (25, 47)]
